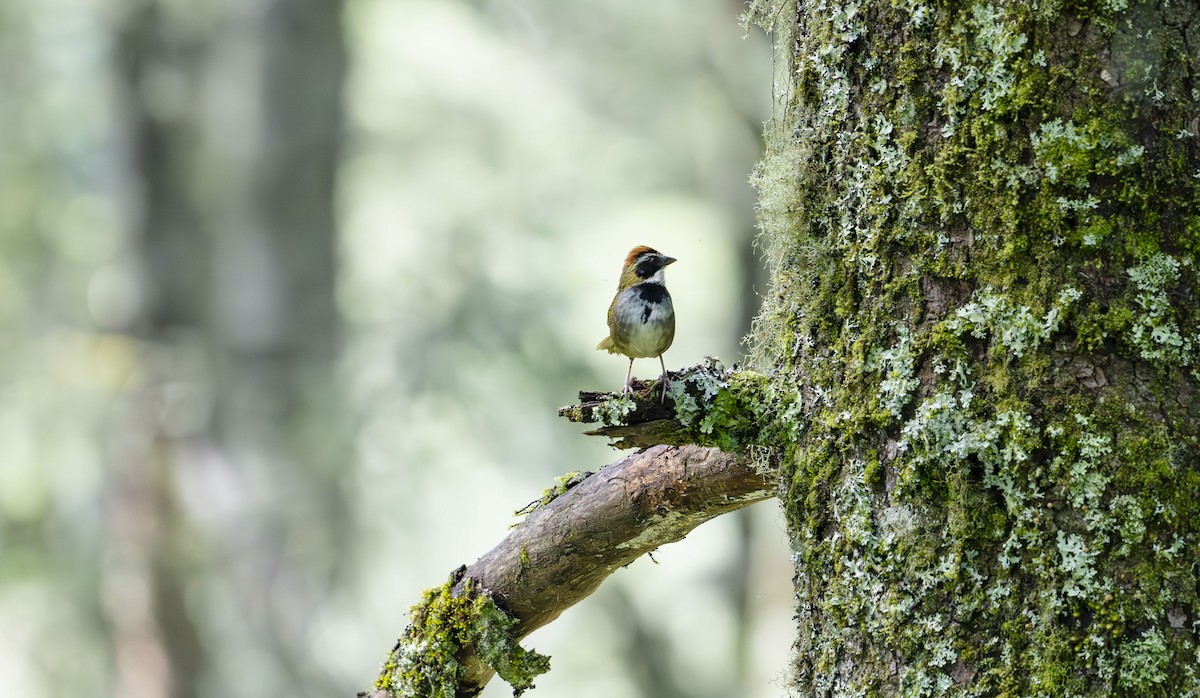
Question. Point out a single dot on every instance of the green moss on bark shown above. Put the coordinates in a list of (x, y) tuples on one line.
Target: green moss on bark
[(425, 661)]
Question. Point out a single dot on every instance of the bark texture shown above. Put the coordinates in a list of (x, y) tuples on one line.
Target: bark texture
[(983, 220)]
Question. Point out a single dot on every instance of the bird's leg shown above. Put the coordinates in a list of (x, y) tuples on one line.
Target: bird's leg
[(628, 379), (664, 378)]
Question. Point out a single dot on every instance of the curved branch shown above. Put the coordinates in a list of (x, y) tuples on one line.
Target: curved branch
[(696, 468), (562, 551)]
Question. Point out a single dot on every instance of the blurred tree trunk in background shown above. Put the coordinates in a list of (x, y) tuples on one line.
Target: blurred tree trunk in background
[(984, 225), (226, 456)]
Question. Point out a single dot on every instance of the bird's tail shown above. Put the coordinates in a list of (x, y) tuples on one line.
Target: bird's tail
[(606, 344)]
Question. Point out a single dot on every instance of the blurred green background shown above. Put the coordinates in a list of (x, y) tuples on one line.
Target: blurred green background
[(289, 293)]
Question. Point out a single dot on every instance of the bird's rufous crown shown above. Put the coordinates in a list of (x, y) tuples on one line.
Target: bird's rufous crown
[(638, 252)]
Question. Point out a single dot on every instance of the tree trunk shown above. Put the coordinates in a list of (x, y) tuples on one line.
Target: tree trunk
[(983, 221)]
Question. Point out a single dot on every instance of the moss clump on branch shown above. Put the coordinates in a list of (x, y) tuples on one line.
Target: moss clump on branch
[(707, 405), (424, 663), (734, 410)]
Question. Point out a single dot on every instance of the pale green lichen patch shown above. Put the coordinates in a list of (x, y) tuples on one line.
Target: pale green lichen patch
[(1159, 333), (896, 364), (1144, 663), (1015, 329), (425, 663), (615, 409)]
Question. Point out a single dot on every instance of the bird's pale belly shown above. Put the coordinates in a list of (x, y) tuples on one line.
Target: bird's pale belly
[(644, 330)]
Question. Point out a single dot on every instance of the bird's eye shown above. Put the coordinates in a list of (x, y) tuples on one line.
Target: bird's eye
[(647, 266)]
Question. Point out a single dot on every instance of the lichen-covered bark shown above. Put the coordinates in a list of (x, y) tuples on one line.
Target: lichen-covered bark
[(984, 225)]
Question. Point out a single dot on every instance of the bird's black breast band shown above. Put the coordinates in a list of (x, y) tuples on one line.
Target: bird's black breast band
[(651, 295)]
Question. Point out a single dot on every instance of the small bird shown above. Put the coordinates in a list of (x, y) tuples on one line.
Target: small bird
[(641, 319)]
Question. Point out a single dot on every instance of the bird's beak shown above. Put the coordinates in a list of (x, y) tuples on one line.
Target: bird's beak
[(668, 260)]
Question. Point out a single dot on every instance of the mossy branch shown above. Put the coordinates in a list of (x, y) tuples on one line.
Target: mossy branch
[(706, 404), (705, 446), (465, 631)]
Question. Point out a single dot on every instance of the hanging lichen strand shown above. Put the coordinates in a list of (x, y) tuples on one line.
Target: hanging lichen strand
[(983, 221)]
